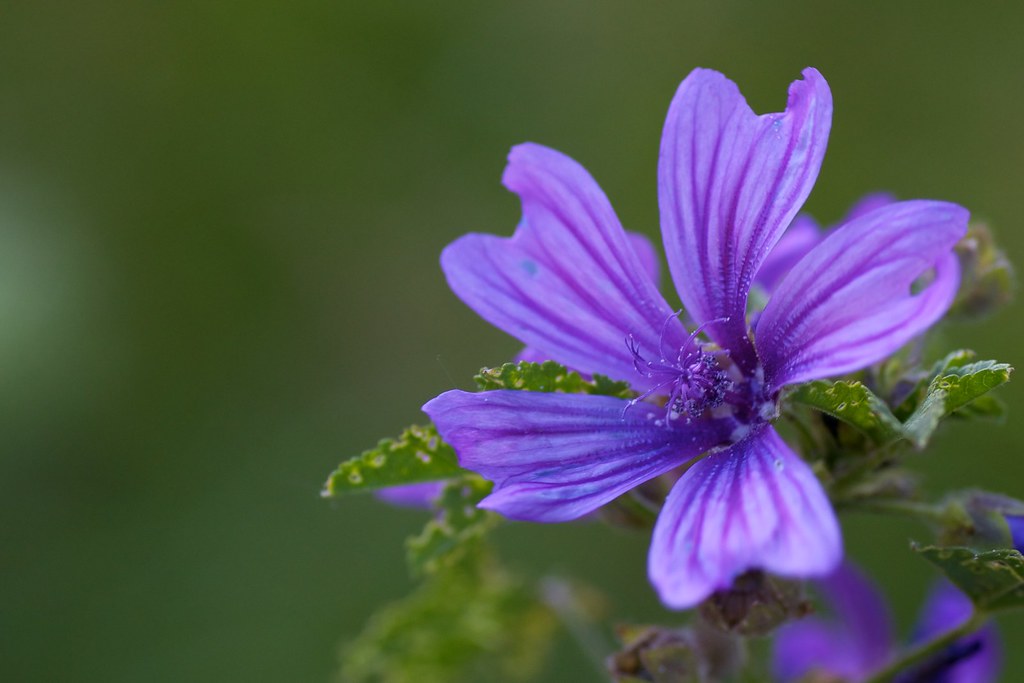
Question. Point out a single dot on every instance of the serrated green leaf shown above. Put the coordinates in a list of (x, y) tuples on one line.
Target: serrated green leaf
[(993, 580), (953, 389), (474, 622), (966, 383), (458, 524), (548, 376), (921, 380), (853, 403), (418, 455)]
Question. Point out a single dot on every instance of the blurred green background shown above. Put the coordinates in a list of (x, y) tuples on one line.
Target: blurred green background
[(219, 231)]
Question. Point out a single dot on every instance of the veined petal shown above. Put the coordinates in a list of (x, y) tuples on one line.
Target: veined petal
[(569, 283), (556, 457), (972, 659), (803, 235), (648, 256), (855, 642), (848, 303), (755, 505), (729, 182)]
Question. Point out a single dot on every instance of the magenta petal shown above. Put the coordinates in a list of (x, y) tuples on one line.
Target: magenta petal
[(848, 303), (855, 642), (569, 283), (556, 457), (755, 505), (729, 182)]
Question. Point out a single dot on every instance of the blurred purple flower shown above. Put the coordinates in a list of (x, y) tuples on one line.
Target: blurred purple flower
[(413, 495), (572, 287), (859, 641), (1016, 524)]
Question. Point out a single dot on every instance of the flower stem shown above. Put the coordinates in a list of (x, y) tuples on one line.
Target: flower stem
[(926, 651)]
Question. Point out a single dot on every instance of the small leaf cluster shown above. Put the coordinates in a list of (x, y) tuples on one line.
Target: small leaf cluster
[(418, 455), (956, 383), (548, 376)]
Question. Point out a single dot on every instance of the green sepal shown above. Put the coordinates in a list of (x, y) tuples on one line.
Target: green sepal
[(853, 403), (548, 376), (459, 524), (993, 580), (418, 455)]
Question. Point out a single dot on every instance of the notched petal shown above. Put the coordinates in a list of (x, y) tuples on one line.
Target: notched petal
[(729, 183), (570, 283)]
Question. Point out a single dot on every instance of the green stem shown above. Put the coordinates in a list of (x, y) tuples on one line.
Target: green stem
[(926, 651)]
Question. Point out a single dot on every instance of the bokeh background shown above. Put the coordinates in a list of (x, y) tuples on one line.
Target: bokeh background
[(219, 231)]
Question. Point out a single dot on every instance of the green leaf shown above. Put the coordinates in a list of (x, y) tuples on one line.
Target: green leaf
[(920, 426), (458, 524), (548, 376), (473, 622), (993, 580), (418, 455), (983, 407), (853, 403), (966, 383), (954, 388), (921, 379)]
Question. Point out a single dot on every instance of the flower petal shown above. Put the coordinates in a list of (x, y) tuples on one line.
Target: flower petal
[(849, 303), (648, 256), (867, 204), (756, 505), (729, 182), (556, 457), (803, 235), (569, 283), (857, 641), (973, 659)]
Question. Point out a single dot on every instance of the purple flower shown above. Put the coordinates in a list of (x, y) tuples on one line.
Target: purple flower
[(572, 287), (859, 641)]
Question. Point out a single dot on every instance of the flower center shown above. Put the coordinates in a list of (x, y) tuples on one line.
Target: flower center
[(692, 378)]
